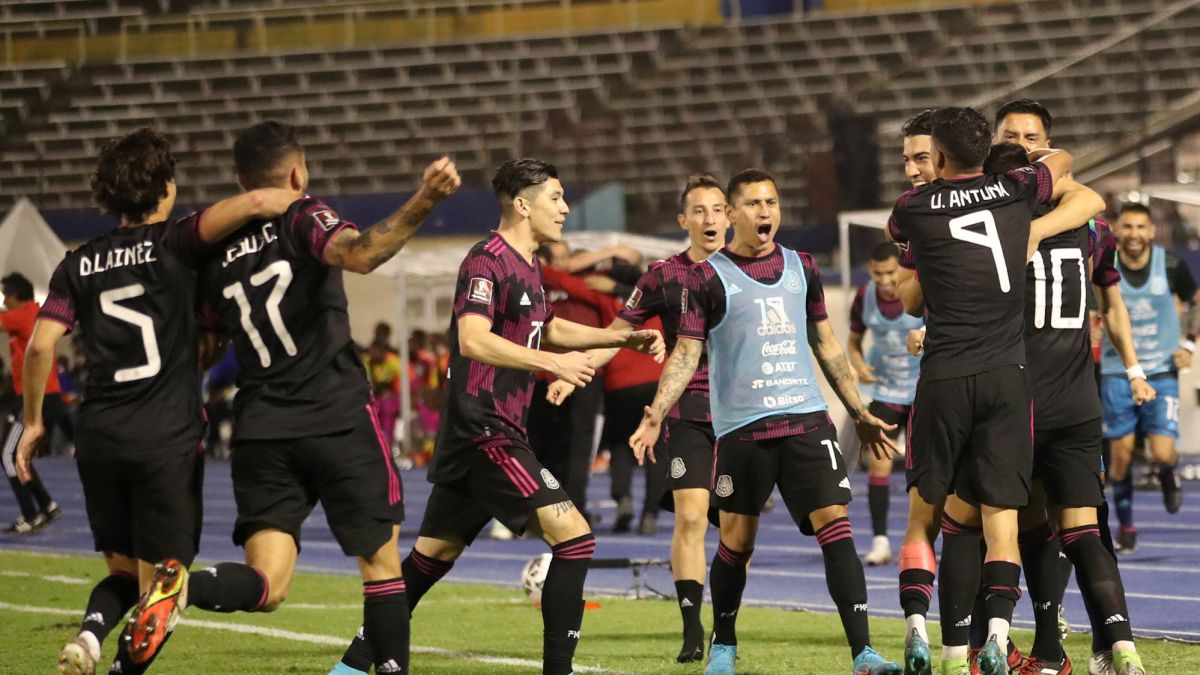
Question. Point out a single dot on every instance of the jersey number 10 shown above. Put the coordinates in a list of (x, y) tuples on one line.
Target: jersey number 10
[(1057, 257)]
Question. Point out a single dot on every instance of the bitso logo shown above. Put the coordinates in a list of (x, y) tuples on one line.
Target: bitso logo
[(678, 468), (724, 485), (775, 320), (549, 479)]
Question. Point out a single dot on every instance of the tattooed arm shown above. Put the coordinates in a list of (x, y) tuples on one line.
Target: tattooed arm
[(678, 372), (872, 431), (362, 252)]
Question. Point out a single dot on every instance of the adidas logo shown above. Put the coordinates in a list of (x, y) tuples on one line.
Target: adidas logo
[(525, 300), (94, 617), (734, 288), (390, 667), (686, 603), (845, 483), (1115, 618), (964, 623)]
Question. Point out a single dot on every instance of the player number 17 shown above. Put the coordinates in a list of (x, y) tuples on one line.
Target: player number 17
[(989, 238), (281, 272)]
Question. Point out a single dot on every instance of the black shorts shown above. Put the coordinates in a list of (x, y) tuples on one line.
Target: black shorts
[(147, 509), (973, 436), (1066, 461), (690, 448), (503, 481), (892, 413), (808, 469), (277, 484)]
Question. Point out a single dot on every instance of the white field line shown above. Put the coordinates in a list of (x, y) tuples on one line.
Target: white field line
[(313, 638)]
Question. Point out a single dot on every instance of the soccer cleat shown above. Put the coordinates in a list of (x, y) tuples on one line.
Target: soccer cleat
[(917, 660), (1064, 626), (20, 526), (1128, 663), (881, 552), (1101, 663), (52, 512), (1035, 666), (624, 515), (499, 532), (1172, 492), (691, 653), (648, 527), (954, 667), (343, 669), (871, 662), (991, 659), (1126, 541), (77, 658), (720, 659), (157, 612)]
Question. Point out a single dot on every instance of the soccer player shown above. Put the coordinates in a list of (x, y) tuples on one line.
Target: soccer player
[(888, 368), (304, 429), (132, 292), (1160, 289), (973, 399), (688, 437), (17, 319), (483, 467), (748, 303)]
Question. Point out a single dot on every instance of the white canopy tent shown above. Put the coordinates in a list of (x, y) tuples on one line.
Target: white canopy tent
[(1173, 192), (424, 279), (29, 246)]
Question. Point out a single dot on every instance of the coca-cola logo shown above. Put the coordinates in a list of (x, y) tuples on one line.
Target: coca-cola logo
[(781, 348)]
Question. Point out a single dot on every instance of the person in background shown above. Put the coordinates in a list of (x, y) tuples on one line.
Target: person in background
[(383, 369)]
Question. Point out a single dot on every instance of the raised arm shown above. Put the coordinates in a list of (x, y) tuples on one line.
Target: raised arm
[(476, 341), (1078, 205), (1115, 315), (225, 217), (362, 252), (826, 349), (39, 361), (680, 368)]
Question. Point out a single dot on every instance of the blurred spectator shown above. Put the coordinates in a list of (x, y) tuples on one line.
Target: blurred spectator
[(383, 336), (383, 370), (218, 404), (424, 378)]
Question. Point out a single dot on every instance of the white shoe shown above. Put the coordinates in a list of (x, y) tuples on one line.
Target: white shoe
[(500, 532), (1101, 663), (881, 552), (77, 658)]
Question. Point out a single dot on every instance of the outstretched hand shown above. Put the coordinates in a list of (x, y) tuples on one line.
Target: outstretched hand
[(642, 441), (873, 434), (648, 341)]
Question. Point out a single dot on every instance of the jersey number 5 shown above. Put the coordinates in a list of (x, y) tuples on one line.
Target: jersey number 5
[(989, 238), (281, 271), (109, 306)]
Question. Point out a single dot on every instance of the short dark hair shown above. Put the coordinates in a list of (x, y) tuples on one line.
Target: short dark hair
[(746, 177), (918, 125), (132, 174), (259, 149), (18, 286), (963, 134), (884, 251), (698, 182), (1025, 106), (1134, 207), (1004, 157), (515, 175)]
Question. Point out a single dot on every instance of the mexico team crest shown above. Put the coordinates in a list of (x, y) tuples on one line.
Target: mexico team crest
[(792, 282), (549, 479), (724, 485), (678, 468)]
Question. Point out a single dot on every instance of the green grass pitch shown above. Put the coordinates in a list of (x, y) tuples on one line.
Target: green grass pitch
[(459, 628)]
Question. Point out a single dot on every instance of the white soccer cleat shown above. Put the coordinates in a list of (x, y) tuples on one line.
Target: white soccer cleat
[(78, 657), (1101, 663), (500, 532), (881, 552)]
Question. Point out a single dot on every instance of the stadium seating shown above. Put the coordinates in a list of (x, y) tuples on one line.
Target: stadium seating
[(642, 106)]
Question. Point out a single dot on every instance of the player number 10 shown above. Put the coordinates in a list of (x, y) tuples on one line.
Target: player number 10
[(1057, 257), (988, 238)]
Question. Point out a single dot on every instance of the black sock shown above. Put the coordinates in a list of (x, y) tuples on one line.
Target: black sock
[(38, 490), (1043, 577), (958, 580), (846, 581), (1105, 529), (421, 572), (1100, 581), (916, 589), (1001, 581), (385, 624), (978, 634), (726, 581), (24, 498), (562, 603), (877, 499), (1166, 473), (1123, 499), (691, 598), (123, 664), (110, 599), (227, 587)]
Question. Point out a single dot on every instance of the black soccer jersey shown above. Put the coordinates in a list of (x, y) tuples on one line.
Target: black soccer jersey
[(285, 310), (133, 293), (488, 404), (968, 238), (1061, 371), (662, 291)]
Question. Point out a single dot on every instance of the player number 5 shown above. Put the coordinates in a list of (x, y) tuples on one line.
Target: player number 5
[(988, 238), (109, 306)]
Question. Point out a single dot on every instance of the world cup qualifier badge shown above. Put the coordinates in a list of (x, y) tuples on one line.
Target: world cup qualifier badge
[(678, 468), (724, 485)]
